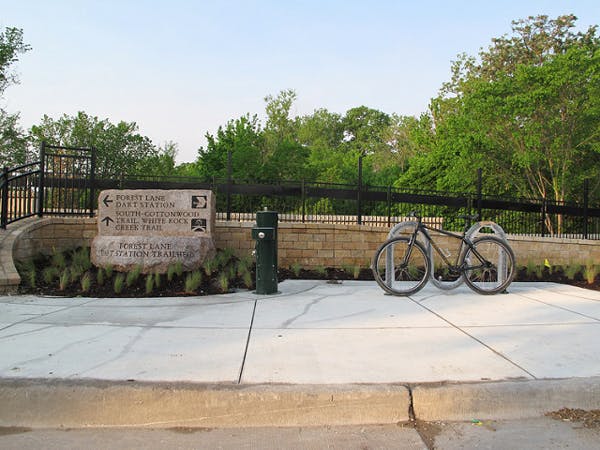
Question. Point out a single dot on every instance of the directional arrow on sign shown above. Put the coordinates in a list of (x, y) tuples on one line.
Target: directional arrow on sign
[(107, 220), (106, 201)]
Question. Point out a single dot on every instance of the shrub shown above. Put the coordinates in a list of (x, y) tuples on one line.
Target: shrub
[(109, 270), (49, 274), (58, 260), (76, 272), (209, 266), (100, 276), (81, 258), (530, 268), (243, 265), (296, 268), (223, 257), (348, 268), (590, 272), (247, 280), (572, 270), (157, 280), (321, 270), (231, 271), (170, 272), (63, 281), (86, 282), (223, 281), (539, 272), (28, 271), (133, 276), (356, 272), (119, 283), (193, 280), (149, 284), (179, 268)]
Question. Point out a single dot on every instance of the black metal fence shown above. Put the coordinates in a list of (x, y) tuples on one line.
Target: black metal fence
[(60, 183), (63, 182), (19, 193)]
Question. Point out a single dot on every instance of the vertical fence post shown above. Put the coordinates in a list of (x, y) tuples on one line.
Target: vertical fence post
[(41, 194), (229, 170), (389, 205), (479, 195), (303, 197), (586, 198), (543, 217), (92, 182), (359, 193), (4, 186)]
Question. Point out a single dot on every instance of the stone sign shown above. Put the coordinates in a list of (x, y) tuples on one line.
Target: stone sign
[(154, 229)]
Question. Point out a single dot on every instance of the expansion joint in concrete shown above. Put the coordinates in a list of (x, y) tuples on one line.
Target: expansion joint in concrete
[(411, 408)]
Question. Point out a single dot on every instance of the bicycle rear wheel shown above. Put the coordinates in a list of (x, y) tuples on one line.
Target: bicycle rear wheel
[(489, 265), (401, 269)]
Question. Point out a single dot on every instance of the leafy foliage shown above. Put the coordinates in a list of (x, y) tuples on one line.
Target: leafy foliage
[(526, 110), (14, 149), (120, 149)]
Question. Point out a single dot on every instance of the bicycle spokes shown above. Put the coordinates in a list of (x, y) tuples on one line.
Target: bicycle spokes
[(489, 265), (400, 268)]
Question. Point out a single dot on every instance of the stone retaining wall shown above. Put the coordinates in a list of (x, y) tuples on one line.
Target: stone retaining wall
[(310, 245)]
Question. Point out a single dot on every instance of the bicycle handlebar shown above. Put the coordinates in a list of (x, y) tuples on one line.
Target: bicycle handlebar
[(467, 217)]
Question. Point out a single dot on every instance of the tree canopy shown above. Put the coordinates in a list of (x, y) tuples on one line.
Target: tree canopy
[(526, 110), (120, 149), (13, 140)]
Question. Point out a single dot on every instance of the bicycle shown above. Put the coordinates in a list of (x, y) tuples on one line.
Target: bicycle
[(402, 265)]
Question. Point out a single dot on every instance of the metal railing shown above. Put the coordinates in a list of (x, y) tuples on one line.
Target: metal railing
[(60, 183), (63, 182), (19, 192)]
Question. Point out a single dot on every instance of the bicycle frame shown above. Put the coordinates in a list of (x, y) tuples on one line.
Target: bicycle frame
[(464, 242)]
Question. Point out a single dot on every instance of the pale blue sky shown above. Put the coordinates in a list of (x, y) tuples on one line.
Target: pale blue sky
[(181, 68)]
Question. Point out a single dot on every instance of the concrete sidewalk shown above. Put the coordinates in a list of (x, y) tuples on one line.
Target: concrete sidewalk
[(445, 355)]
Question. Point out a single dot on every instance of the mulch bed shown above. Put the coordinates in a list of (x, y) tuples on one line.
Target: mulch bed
[(210, 286)]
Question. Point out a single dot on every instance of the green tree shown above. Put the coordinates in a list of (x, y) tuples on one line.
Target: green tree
[(243, 138), (322, 133), (120, 149), (364, 129), (526, 112), (278, 110), (161, 163), (11, 46), (14, 142), (14, 148), (284, 158)]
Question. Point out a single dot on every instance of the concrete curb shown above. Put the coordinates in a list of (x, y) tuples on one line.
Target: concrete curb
[(504, 400), (74, 404), (51, 403)]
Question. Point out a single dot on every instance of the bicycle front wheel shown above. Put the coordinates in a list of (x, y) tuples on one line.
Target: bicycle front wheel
[(489, 265), (399, 268)]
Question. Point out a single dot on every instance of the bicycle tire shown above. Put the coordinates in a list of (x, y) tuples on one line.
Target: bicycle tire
[(408, 278), (499, 269)]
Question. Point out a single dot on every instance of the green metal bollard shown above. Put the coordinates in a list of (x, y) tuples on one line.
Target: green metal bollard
[(265, 235)]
